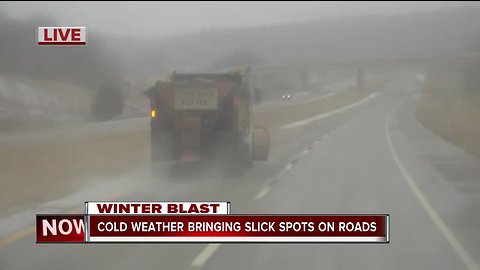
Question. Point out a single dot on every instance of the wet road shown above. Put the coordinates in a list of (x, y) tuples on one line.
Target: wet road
[(374, 158)]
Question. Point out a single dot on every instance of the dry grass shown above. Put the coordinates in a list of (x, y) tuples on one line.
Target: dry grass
[(45, 171), (455, 119), (36, 173)]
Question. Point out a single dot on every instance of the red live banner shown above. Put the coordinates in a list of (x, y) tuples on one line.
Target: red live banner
[(216, 229)]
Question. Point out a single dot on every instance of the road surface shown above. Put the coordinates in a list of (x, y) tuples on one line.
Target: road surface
[(374, 158)]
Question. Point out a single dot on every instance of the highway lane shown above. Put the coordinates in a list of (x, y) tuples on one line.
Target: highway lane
[(65, 156), (200, 185), (307, 96), (341, 164), (362, 168), (205, 184)]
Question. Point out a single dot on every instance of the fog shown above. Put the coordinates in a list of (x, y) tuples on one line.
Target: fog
[(138, 41), (160, 19), (135, 44), (89, 66), (345, 108)]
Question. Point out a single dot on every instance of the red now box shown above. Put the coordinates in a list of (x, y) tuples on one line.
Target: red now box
[(60, 229)]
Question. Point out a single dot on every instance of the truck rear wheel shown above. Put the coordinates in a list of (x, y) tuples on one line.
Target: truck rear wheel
[(261, 144)]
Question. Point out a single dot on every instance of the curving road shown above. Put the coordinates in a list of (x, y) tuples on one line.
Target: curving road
[(373, 158)]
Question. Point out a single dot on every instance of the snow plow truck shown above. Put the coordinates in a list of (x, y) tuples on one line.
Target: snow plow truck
[(203, 116)]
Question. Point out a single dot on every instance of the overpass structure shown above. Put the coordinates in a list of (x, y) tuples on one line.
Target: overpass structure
[(272, 81)]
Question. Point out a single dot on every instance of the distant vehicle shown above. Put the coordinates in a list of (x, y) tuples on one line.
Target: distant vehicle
[(286, 97)]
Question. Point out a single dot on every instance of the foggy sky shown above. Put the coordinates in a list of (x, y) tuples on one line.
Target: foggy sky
[(157, 19)]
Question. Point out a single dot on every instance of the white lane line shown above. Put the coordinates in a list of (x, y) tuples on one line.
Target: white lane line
[(304, 152), (18, 235), (302, 93), (203, 257), (459, 249), (267, 188), (289, 167), (327, 114), (329, 94), (263, 192), (276, 103)]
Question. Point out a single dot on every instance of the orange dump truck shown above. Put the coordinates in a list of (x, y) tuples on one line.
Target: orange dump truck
[(198, 116)]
